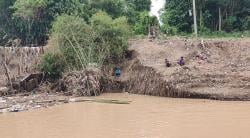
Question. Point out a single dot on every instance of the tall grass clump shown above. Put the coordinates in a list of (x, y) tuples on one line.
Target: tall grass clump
[(82, 44), (78, 42), (114, 32)]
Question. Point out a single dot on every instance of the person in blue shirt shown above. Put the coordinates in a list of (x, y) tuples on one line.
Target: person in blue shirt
[(117, 72), (181, 62)]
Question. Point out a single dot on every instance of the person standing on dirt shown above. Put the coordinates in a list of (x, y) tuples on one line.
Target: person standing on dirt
[(117, 72), (181, 61), (167, 62)]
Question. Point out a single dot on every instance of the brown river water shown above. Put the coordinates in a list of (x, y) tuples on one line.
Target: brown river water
[(145, 117)]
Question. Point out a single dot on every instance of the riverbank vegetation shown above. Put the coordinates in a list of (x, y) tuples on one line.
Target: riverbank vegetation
[(32, 20), (85, 32)]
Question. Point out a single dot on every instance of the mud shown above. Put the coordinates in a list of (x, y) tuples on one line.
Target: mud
[(223, 72)]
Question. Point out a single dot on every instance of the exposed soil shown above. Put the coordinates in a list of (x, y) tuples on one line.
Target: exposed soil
[(215, 69)]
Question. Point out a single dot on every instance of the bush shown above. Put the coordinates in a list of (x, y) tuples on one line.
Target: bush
[(53, 65), (82, 44), (79, 42), (229, 24), (115, 33)]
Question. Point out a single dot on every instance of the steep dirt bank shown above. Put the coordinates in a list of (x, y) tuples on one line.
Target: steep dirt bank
[(222, 70)]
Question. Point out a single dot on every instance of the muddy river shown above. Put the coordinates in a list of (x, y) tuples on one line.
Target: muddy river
[(145, 117)]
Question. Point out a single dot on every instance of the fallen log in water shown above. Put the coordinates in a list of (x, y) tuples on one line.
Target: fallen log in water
[(108, 101), (45, 101)]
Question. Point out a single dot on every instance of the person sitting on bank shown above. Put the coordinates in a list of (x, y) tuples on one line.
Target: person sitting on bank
[(167, 62), (181, 61), (117, 72)]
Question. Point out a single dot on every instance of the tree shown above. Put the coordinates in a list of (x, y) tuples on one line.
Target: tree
[(141, 5), (177, 13), (78, 42), (115, 33), (6, 24), (214, 15)]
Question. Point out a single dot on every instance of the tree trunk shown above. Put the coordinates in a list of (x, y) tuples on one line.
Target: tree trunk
[(195, 20), (220, 19), (201, 18)]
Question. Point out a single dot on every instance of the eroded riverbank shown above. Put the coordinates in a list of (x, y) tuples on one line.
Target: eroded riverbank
[(214, 69), (145, 117)]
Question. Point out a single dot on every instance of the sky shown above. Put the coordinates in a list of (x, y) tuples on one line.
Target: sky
[(156, 7)]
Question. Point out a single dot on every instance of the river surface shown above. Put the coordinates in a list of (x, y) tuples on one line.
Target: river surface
[(145, 117)]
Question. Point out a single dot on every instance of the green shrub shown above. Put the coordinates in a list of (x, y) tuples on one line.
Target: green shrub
[(114, 32), (53, 65), (229, 24), (79, 42), (82, 44), (144, 22)]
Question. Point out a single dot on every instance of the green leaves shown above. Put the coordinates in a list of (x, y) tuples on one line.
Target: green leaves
[(115, 33), (144, 22), (234, 15), (53, 65), (29, 8), (141, 5), (83, 44)]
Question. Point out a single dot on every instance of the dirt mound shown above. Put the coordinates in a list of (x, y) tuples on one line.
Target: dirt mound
[(81, 83), (216, 69)]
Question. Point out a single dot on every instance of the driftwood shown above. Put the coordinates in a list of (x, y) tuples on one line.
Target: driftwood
[(108, 101), (29, 82), (45, 101), (7, 74), (4, 107), (81, 83)]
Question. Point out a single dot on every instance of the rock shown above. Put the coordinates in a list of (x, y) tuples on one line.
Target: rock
[(37, 107), (31, 85), (2, 100), (72, 100), (3, 90), (16, 108)]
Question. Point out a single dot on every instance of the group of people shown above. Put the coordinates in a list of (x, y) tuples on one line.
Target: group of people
[(181, 62)]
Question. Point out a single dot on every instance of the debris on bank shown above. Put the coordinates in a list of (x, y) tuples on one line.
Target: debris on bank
[(24, 102), (28, 101), (81, 83)]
